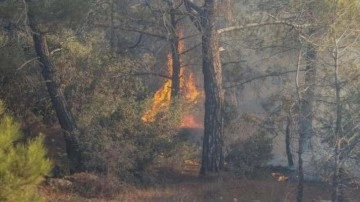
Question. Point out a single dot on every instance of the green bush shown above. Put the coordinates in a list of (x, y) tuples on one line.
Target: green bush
[(122, 145), (22, 165), (250, 154)]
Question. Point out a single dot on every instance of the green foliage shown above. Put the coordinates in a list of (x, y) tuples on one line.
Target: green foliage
[(11, 8), (122, 144), (65, 11), (250, 154), (20, 84), (22, 166)]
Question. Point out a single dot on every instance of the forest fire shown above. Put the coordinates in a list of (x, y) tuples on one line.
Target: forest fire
[(188, 91), (189, 121), (162, 97)]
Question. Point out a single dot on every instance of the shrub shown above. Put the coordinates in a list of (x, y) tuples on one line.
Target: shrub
[(122, 145), (22, 165), (92, 185), (250, 154)]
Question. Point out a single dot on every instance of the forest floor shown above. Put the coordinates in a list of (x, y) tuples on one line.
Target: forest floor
[(185, 185)]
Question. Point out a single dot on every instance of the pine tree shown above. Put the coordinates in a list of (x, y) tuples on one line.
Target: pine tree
[(22, 165)]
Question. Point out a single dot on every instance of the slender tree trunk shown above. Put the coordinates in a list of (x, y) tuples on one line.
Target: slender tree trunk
[(300, 189), (335, 181), (288, 142), (59, 103), (338, 129), (308, 97), (174, 41), (113, 41), (306, 112), (212, 154)]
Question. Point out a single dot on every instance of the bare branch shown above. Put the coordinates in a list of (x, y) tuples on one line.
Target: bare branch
[(137, 42), (190, 6), (189, 36), (55, 50), (190, 49), (251, 25), (262, 77), (133, 29), (194, 13), (143, 32), (143, 74), (27, 62), (233, 62)]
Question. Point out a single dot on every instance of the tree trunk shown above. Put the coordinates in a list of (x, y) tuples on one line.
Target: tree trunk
[(113, 40), (338, 129), (300, 188), (288, 142), (335, 181), (306, 113), (174, 41), (307, 101), (59, 103), (212, 154)]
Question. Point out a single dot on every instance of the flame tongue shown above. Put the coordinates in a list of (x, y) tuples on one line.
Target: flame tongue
[(161, 100), (189, 121), (162, 97), (191, 92)]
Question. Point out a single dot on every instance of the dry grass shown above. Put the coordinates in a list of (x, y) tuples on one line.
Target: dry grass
[(186, 186), (226, 188)]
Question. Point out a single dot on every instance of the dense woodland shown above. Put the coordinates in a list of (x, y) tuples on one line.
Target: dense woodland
[(102, 98)]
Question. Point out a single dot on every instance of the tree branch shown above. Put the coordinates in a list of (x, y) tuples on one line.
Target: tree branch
[(143, 32), (131, 29), (194, 12), (190, 49), (143, 74), (191, 6), (27, 62), (233, 62), (251, 25), (137, 42), (262, 77)]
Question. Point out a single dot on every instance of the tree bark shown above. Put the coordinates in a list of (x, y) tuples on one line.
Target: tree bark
[(212, 154), (308, 97), (335, 181), (335, 196), (174, 41), (306, 112), (63, 113), (300, 188), (212, 151), (113, 41)]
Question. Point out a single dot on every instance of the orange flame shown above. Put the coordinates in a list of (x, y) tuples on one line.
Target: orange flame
[(280, 177), (162, 97), (191, 92), (189, 121)]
